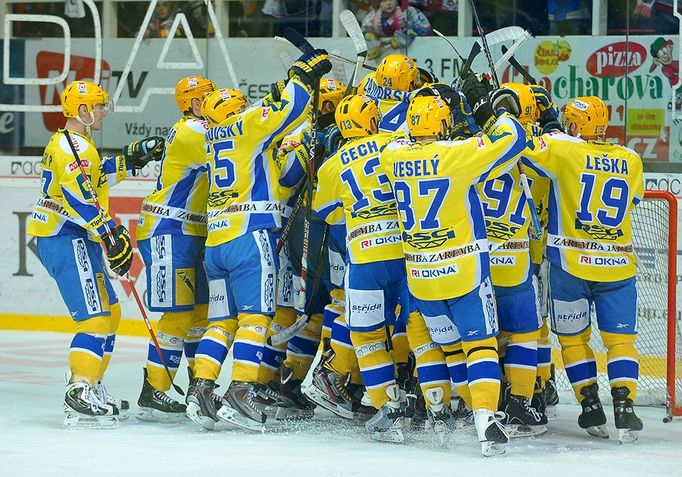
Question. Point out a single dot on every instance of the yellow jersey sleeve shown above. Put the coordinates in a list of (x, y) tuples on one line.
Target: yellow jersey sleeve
[(65, 205), (243, 174), (593, 188), (440, 213), (178, 205)]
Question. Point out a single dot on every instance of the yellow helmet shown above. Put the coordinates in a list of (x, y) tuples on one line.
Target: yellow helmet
[(426, 116), (332, 91), (221, 104), (397, 72), (529, 113), (357, 116), (191, 87), (589, 113), (82, 92)]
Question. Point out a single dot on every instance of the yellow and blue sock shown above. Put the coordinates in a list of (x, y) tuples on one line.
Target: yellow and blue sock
[(622, 362), (171, 332), (302, 348), (483, 373), (273, 356), (579, 362), (520, 362), (376, 365), (213, 348), (194, 334)]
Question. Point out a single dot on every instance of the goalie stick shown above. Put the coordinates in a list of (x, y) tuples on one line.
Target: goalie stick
[(100, 210), (352, 27), (534, 219)]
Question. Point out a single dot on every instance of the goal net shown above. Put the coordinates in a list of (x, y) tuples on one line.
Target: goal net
[(654, 224)]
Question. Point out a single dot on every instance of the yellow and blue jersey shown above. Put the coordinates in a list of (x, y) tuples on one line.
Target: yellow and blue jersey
[(593, 188), (178, 204), (65, 205), (441, 217), (242, 169), (392, 103), (351, 189)]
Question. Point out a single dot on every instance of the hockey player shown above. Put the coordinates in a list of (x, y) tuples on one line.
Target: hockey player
[(241, 263), (391, 86), (595, 186), (376, 282), (444, 239), (171, 233), (68, 227), (515, 284)]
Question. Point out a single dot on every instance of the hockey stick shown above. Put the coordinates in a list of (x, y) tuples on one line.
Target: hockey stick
[(520, 69), (461, 58), (352, 27), (534, 219), (286, 334), (110, 235), (286, 60)]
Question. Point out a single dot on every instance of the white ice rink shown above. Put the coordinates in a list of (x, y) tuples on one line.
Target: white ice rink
[(33, 442)]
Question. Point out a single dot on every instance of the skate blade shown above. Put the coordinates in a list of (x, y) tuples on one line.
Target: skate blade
[(491, 449), (229, 415), (195, 415), (516, 430), (441, 430), (627, 436), (394, 436), (552, 412), (598, 431), (149, 414), (74, 420), (291, 413), (321, 399)]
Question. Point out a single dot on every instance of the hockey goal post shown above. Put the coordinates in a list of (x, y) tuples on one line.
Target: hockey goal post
[(654, 226)]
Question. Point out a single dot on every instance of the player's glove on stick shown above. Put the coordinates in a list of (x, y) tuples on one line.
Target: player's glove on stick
[(549, 113), (276, 89), (505, 99), (139, 153), (120, 252), (477, 94), (310, 67)]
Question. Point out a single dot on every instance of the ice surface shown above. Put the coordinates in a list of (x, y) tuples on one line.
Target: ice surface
[(33, 442)]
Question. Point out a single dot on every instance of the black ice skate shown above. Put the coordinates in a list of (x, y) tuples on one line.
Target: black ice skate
[(439, 414), (240, 407), (592, 419), (103, 395), (387, 424), (291, 402), (83, 408), (202, 403), (521, 419), (538, 401), (463, 416), (407, 383), (157, 406), (329, 390), (551, 396), (491, 432), (627, 422)]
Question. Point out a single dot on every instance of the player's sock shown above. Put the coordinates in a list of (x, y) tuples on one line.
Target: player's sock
[(578, 358), (302, 348), (401, 347), (376, 365), (273, 355), (483, 372), (213, 348), (110, 341), (520, 362), (248, 346), (344, 360), (172, 329), (622, 363), (87, 348), (194, 334), (544, 354), (457, 367), (431, 366)]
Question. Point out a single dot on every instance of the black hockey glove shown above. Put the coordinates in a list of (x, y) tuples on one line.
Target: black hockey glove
[(310, 67), (119, 253), (505, 99), (139, 153), (549, 113), (477, 94), (276, 89)]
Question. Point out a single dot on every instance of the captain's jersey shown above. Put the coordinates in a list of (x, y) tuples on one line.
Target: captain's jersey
[(65, 205), (351, 189), (178, 205), (242, 170), (441, 216), (594, 187), (392, 103)]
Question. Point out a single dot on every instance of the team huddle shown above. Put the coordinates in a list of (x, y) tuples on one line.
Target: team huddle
[(422, 238)]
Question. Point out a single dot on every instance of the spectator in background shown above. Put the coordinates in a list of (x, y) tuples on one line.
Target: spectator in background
[(442, 14), (569, 17), (162, 20), (388, 26)]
